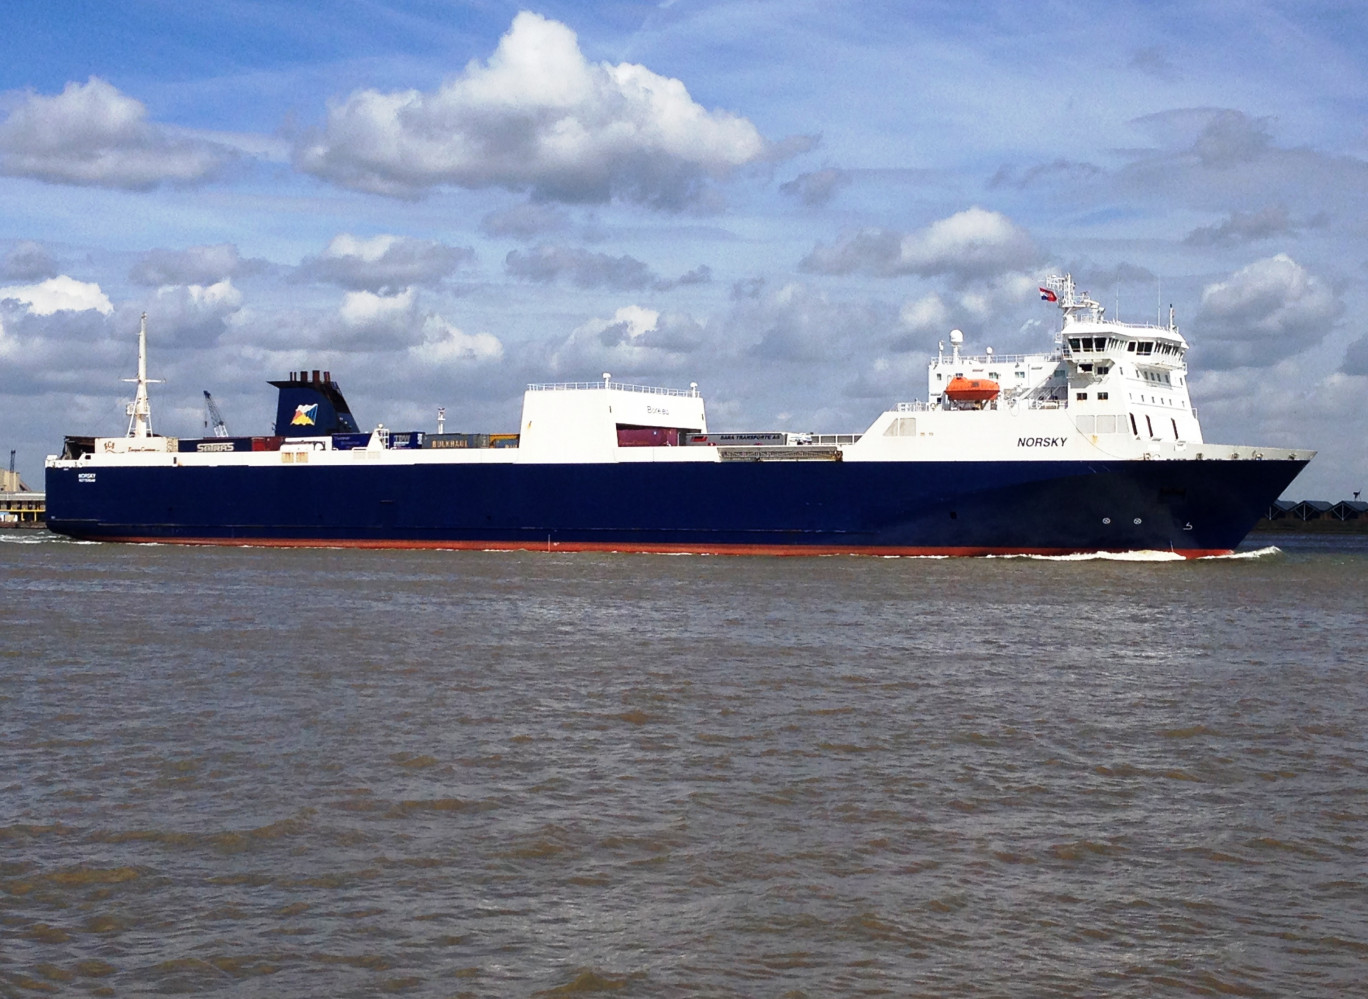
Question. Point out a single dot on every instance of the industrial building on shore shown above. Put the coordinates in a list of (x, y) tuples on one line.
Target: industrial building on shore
[(1350, 516), (20, 506)]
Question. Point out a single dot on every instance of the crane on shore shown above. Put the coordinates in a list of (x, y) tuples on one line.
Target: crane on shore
[(213, 418)]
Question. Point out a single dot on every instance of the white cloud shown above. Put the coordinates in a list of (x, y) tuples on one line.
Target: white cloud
[(798, 323), (818, 187), (364, 308), (629, 323), (584, 268), (384, 264), (219, 295), (633, 341), (370, 250), (444, 344), (525, 221), (1269, 310), (1003, 312), (1356, 357), (192, 314), (28, 261), (1244, 227), (927, 314), (537, 116), (61, 293), (1220, 159), (91, 134), (972, 244), (206, 265)]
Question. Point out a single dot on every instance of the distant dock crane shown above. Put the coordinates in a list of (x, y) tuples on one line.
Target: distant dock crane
[(213, 418)]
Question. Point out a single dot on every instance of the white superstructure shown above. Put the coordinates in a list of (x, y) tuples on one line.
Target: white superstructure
[(1112, 389)]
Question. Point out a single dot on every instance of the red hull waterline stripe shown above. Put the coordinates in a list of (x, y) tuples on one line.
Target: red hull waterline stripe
[(604, 546)]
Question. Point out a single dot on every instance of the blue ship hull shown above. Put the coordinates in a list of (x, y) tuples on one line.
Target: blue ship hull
[(782, 507)]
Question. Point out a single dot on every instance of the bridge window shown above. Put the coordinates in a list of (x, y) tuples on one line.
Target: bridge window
[(1081, 396), (1103, 396)]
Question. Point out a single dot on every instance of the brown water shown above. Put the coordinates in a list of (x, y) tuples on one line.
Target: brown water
[(332, 773)]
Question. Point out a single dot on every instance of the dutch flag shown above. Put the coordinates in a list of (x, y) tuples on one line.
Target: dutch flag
[(1046, 295)]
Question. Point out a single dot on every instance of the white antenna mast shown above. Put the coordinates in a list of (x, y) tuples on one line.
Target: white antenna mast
[(139, 411)]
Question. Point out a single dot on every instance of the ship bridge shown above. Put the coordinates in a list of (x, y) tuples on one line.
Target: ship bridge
[(1116, 343), (1088, 337)]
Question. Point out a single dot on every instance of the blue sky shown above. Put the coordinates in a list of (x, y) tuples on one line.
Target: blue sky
[(787, 203)]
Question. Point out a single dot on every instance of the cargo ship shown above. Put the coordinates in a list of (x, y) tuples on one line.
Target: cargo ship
[(1091, 446)]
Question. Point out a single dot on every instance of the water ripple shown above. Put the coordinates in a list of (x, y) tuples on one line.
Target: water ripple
[(339, 773)]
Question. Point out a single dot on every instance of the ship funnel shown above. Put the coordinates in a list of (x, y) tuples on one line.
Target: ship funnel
[(312, 407)]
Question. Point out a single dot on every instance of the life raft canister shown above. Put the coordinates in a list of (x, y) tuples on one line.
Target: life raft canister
[(963, 389)]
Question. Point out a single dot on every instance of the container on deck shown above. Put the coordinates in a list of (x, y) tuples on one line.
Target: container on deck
[(405, 439), (733, 440), (647, 437), (212, 444), (455, 440), (350, 442)]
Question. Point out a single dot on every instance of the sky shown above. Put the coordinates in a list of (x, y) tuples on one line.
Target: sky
[(788, 204)]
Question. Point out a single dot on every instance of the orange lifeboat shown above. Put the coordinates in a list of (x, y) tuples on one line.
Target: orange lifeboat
[(963, 389)]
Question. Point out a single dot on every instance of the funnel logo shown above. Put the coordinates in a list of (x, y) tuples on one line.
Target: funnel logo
[(305, 415)]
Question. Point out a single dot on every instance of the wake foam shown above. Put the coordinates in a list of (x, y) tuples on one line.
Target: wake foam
[(1136, 556)]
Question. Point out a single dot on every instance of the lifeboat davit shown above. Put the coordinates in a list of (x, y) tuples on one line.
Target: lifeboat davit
[(963, 389)]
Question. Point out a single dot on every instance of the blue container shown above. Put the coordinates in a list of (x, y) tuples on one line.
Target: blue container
[(406, 439), (349, 442)]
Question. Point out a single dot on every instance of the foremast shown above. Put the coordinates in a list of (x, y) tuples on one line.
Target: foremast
[(140, 410)]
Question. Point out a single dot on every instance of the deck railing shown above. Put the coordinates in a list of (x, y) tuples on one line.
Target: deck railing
[(922, 407), (611, 385)]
